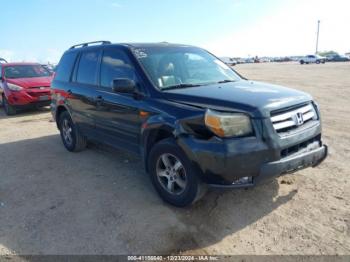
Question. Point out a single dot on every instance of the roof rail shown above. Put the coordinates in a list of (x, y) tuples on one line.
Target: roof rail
[(90, 43)]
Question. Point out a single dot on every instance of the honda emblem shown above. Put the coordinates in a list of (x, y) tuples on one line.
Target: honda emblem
[(299, 119)]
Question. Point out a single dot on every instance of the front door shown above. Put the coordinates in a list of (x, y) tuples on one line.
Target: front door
[(117, 115)]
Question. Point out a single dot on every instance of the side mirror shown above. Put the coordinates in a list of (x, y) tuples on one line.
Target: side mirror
[(123, 85)]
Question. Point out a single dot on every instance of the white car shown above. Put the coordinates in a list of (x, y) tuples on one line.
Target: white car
[(229, 61), (309, 59)]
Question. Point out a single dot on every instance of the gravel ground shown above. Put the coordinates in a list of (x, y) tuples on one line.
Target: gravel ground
[(100, 201)]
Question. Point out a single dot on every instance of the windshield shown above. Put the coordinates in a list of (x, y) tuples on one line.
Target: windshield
[(176, 67), (25, 71)]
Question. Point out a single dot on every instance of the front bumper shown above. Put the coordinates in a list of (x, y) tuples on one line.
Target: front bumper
[(249, 161), (28, 97), (282, 167), (292, 164)]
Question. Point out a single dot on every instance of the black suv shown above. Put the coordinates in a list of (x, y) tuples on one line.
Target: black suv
[(194, 121)]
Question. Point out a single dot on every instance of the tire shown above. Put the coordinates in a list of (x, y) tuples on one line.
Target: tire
[(186, 187), (302, 62), (318, 61), (72, 139), (9, 109)]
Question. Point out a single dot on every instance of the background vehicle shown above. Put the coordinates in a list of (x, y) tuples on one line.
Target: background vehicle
[(49, 67), (337, 58), (24, 85), (229, 61), (265, 60), (249, 60), (281, 59), (309, 59), (191, 118)]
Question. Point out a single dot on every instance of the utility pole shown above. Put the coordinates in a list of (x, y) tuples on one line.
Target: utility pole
[(318, 33)]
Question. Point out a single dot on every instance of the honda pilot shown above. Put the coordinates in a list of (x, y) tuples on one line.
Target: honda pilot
[(195, 122)]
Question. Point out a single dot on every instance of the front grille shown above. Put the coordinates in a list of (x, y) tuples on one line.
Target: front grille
[(38, 94), (39, 87), (292, 119), (305, 146)]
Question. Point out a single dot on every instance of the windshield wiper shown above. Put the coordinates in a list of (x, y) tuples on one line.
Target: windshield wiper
[(225, 81), (180, 86)]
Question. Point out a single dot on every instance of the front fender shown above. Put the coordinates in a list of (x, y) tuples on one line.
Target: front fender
[(153, 127), (159, 127)]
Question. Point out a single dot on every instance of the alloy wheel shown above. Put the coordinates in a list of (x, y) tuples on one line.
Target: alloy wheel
[(67, 131), (171, 174)]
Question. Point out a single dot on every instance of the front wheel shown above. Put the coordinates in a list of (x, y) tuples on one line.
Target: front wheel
[(9, 109), (72, 139), (173, 175)]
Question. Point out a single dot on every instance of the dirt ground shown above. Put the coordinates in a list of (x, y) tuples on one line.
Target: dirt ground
[(100, 201)]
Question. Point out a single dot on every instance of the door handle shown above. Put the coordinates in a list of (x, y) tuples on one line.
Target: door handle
[(99, 100)]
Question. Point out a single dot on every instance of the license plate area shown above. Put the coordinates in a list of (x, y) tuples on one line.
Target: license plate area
[(44, 98)]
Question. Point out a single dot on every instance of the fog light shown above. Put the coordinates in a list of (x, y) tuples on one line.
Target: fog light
[(243, 180)]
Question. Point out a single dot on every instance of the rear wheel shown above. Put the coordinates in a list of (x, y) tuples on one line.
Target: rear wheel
[(173, 175), (318, 61), (9, 109), (302, 62), (72, 139)]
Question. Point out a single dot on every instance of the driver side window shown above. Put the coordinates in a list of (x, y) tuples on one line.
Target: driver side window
[(115, 64)]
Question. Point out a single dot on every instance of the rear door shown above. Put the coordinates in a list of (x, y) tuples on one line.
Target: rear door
[(117, 115), (1, 84), (83, 91)]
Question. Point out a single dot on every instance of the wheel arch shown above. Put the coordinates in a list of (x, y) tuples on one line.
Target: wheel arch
[(153, 135), (59, 110)]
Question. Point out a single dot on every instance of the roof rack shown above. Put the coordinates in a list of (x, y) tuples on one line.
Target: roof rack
[(90, 43)]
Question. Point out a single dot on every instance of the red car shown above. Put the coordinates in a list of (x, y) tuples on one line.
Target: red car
[(24, 85)]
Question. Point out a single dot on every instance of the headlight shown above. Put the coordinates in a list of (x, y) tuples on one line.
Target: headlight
[(14, 87), (228, 124)]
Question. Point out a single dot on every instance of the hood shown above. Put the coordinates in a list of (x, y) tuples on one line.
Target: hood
[(256, 98), (31, 81)]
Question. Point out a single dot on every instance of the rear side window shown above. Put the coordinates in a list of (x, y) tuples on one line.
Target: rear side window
[(65, 67), (87, 69), (115, 64)]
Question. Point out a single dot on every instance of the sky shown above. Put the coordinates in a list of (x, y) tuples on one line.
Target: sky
[(41, 30)]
